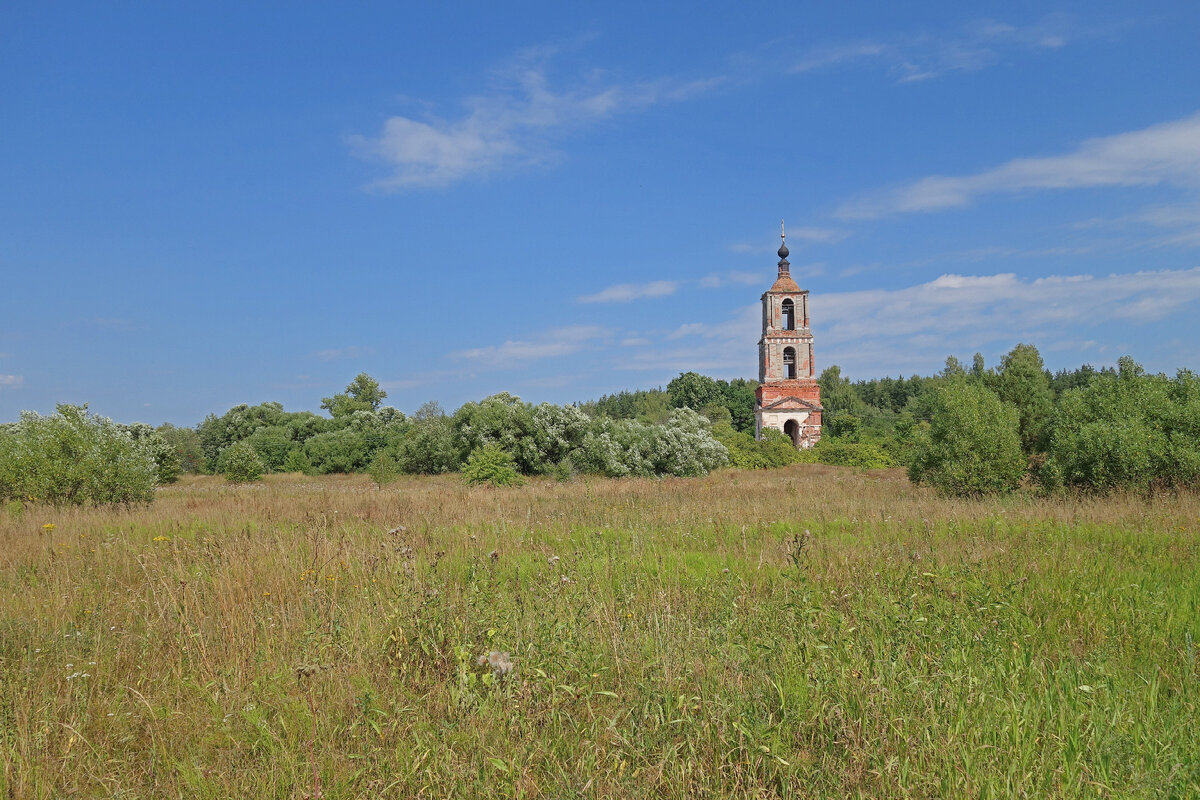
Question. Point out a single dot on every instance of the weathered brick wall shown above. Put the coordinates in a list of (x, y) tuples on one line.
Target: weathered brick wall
[(774, 384)]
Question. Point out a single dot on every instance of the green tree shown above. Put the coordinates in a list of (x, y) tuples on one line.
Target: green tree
[(504, 420), (1128, 431), (741, 399), (695, 391), (238, 423), (971, 446), (272, 444), (383, 468), (838, 393), (429, 447), (978, 370), (297, 461), (493, 465), (345, 450), (187, 445), (167, 463), (1023, 383), (845, 426), (240, 463), (362, 394), (952, 369)]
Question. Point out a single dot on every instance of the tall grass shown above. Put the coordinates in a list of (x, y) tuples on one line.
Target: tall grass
[(807, 632)]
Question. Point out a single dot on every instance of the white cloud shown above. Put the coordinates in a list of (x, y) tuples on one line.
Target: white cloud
[(920, 57), (512, 125), (716, 281), (1167, 153), (625, 292), (634, 341), (1172, 225), (11, 381), (885, 331), (342, 353), (552, 343), (804, 234)]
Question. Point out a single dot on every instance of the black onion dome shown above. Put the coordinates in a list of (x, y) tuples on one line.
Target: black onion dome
[(783, 251)]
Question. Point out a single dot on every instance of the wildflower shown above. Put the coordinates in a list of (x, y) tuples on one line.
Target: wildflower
[(564, 579), (49, 526), (500, 663), (494, 556), (162, 538), (553, 560)]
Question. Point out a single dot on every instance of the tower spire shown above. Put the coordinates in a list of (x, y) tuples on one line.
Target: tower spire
[(785, 268)]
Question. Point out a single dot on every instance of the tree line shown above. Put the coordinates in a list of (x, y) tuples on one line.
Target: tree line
[(964, 430)]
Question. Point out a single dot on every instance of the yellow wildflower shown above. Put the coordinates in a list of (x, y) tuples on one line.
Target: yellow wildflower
[(49, 526)]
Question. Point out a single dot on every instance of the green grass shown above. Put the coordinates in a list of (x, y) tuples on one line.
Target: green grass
[(690, 639)]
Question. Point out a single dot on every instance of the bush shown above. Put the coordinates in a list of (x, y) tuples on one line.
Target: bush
[(429, 447), (297, 461), (240, 463), (272, 444), (848, 453), (187, 445), (345, 450), (167, 463), (775, 449), (383, 468), (492, 465), (73, 458), (971, 446), (1130, 431)]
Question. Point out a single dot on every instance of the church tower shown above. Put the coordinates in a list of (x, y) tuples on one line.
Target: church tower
[(789, 398)]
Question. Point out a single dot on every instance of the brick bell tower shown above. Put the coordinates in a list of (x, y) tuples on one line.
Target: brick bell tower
[(789, 398)]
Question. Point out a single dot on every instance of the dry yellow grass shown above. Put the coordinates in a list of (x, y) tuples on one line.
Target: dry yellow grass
[(672, 638)]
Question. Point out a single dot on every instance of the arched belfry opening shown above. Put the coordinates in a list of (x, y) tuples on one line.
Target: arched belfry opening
[(788, 397), (789, 363)]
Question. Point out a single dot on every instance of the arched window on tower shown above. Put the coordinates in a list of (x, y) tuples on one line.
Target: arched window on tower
[(789, 315), (789, 363)]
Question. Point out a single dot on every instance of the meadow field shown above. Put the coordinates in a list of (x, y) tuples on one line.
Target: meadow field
[(802, 632)]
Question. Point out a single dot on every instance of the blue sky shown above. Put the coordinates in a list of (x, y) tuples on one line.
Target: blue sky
[(224, 203)]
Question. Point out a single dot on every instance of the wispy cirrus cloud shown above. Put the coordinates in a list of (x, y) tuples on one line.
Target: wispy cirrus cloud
[(11, 381), (555, 342), (919, 57), (513, 124), (1166, 153), (625, 292)]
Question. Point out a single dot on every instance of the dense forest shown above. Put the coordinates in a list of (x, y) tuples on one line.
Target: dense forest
[(965, 430)]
